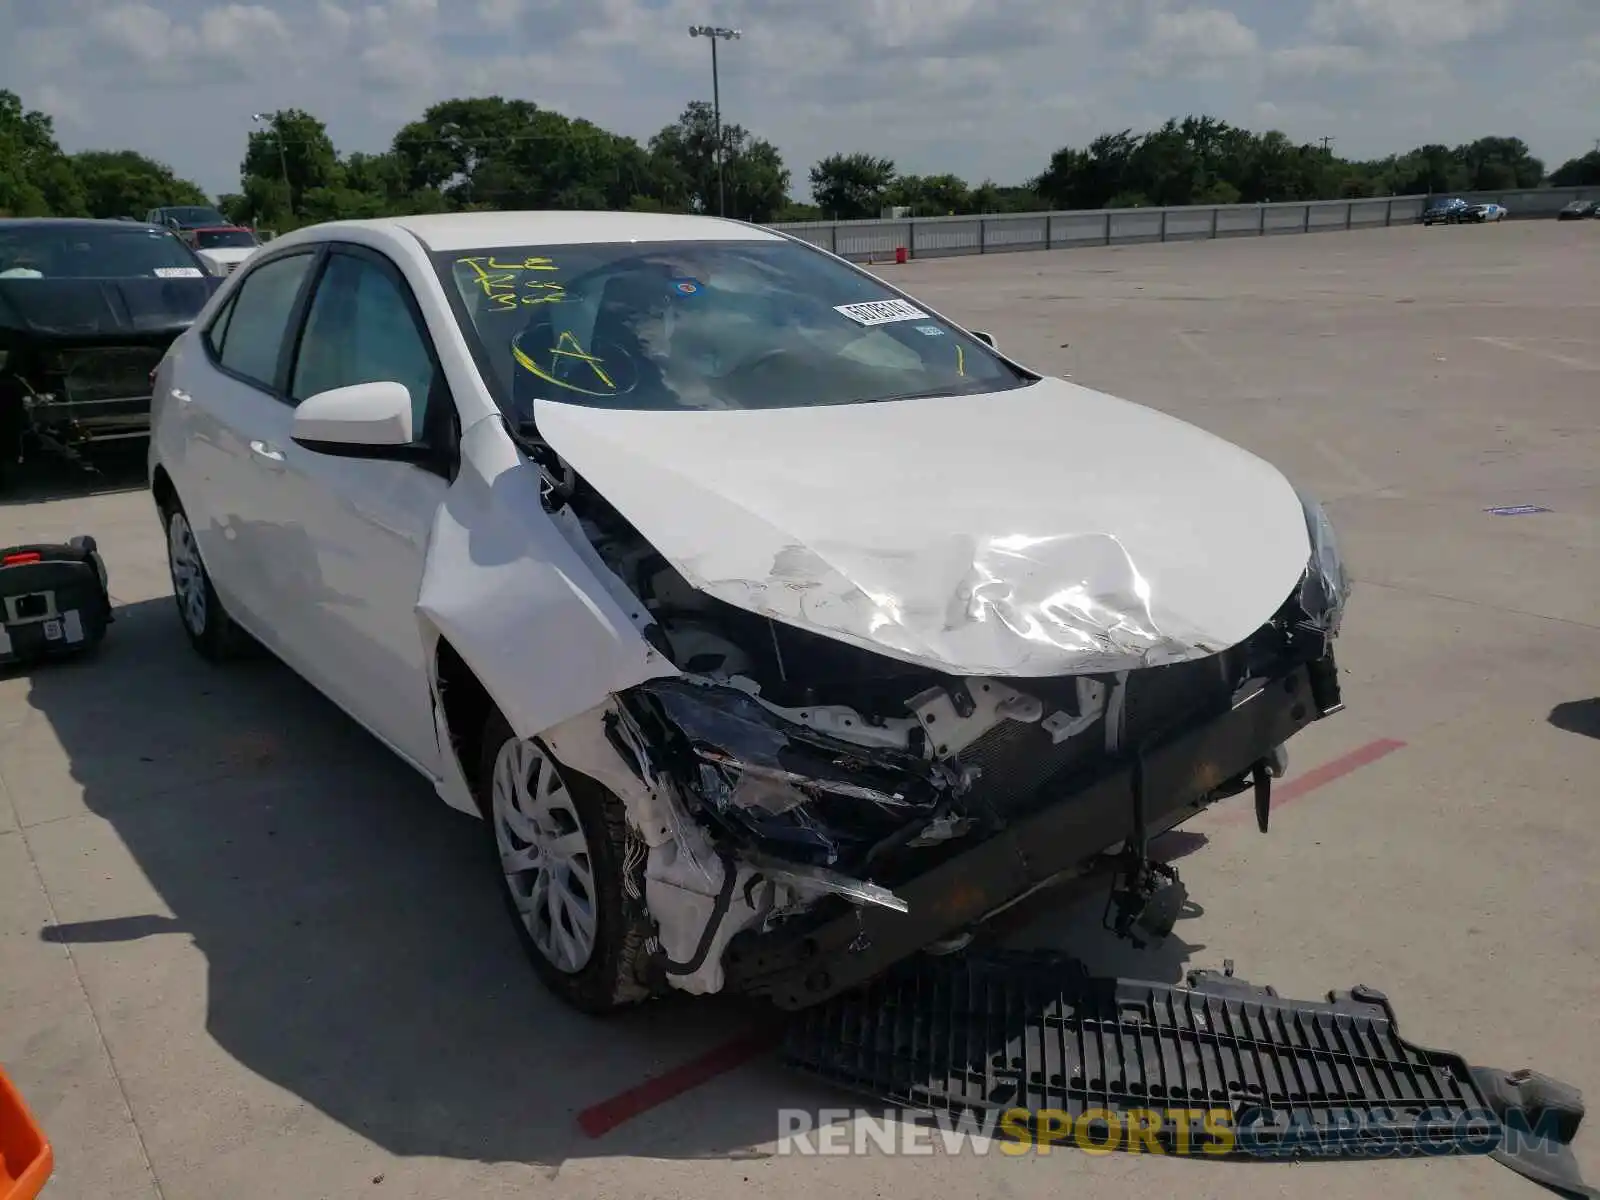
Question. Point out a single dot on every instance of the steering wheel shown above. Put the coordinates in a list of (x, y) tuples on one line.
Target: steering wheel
[(750, 365)]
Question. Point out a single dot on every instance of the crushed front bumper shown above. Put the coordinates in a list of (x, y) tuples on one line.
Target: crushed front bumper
[(843, 946)]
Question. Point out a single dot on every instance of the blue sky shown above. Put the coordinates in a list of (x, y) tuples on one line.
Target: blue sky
[(984, 88)]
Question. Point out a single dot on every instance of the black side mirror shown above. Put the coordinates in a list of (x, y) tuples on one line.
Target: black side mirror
[(986, 338)]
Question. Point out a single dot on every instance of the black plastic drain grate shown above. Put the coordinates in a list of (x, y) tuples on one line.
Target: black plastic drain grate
[(1008, 1031)]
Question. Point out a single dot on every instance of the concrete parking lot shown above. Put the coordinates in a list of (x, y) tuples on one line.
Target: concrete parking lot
[(244, 953)]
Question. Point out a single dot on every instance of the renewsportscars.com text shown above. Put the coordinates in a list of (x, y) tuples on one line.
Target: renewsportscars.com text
[(1198, 1132)]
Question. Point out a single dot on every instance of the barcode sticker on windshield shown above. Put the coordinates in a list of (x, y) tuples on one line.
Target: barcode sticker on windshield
[(881, 312), (179, 273)]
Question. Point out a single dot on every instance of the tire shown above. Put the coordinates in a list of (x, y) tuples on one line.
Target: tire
[(598, 965), (205, 621)]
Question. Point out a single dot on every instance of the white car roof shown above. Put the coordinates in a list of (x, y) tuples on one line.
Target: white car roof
[(484, 230)]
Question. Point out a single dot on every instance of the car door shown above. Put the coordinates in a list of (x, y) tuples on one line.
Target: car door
[(226, 407), (356, 529)]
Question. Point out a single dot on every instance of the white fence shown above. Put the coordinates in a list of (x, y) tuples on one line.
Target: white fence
[(938, 237)]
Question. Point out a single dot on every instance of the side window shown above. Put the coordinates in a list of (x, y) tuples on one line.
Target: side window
[(258, 318), (216, 334), (360, 329)]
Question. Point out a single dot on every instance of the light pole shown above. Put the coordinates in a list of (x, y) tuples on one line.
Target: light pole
[(283, 158), (716, 33)]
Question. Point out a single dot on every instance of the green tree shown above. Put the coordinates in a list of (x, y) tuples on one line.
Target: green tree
[(124, 183), (296, 153), (459, 147), (1578, 172), (794, 211), (1493, 164), (1090, 178), (683, 161), (494, 153), (36, 178), (850, 187), (236, 207), (930, 195), (1202, 160), (1429, 169), (574, 164)]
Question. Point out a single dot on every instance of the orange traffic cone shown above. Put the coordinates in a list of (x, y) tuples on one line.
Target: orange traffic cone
[(26, 1159)]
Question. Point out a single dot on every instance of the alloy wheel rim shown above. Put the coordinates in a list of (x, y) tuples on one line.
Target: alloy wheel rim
[(544, 855)]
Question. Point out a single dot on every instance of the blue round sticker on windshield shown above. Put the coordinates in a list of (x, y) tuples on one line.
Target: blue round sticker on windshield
[(686, 287)]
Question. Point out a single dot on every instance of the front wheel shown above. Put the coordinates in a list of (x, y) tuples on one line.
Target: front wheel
[(573, 889)]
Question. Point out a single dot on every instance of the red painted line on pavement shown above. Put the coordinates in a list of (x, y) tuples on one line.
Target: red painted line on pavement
[(600, 1119), (1328, 772)]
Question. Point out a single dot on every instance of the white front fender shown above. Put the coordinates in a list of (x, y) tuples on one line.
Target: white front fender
[(524, 607)]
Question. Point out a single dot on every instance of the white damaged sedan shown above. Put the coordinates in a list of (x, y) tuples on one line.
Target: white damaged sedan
[(779, 627)]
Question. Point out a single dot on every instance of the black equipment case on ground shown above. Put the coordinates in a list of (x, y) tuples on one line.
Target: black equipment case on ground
[(53, 600)]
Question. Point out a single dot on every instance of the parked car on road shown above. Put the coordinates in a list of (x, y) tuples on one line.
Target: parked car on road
[(186, 216), (1482, 213), (1579, 210), (224, 248), (87, 308), (780, 627), (1445, 212)]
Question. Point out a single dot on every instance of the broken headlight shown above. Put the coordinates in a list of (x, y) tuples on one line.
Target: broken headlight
[(1325, 587)]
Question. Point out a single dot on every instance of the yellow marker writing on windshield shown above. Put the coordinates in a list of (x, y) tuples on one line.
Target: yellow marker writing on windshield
[(567, 346), (527, 264), (499, 281), (482, 277)]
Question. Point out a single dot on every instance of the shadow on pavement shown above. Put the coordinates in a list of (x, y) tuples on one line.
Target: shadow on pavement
[(118, 468), (1578, 716), (358, 952)]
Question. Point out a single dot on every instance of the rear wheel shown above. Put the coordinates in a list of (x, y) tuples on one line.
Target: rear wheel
[(573, 890), (210, 629)]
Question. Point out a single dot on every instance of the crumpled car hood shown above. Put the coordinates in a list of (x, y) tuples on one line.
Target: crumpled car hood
[(1040, 531)]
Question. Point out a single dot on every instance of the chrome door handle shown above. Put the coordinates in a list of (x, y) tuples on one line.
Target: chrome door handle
[(181, 396), (262, 450)]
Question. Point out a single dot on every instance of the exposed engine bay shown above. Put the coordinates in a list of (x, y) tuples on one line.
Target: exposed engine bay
[(66, 396), (87, 310), (784, 775)]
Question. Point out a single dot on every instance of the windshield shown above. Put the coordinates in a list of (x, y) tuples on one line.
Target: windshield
[(192, 216), (47, 251), (702, 325), (224, 239)]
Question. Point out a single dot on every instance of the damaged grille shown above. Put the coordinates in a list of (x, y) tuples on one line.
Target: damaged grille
[(1158, 698), (108, 372), (1024, 1030), (1016, 760)]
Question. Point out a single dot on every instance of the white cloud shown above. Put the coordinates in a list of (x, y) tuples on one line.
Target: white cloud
[(984, 88), (1413, 22), (1584, 71), (240, 32), (1198, 41), (242, 36), (499, 14), (1313, 59)]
